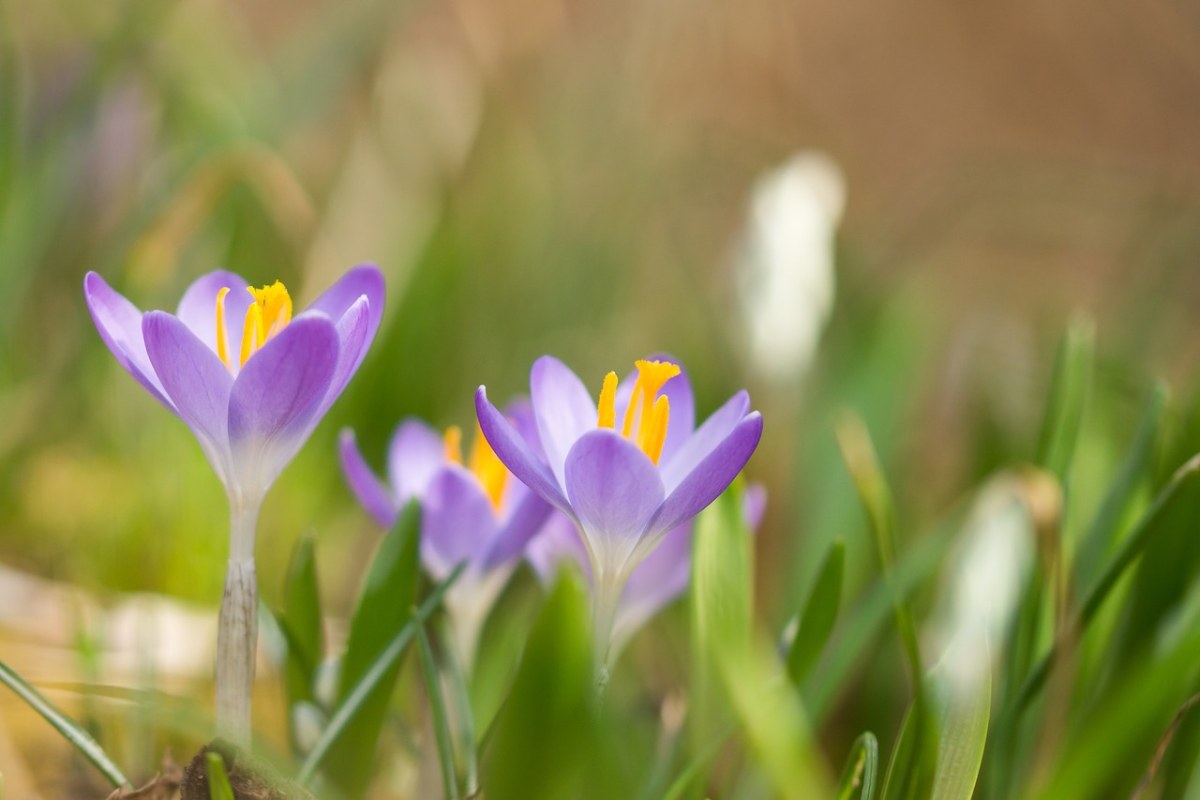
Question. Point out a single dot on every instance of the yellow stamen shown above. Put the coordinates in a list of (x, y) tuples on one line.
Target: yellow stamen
[(222, 344), (650, 412), (270, 313), (452, 444), (654, 430), (608, 402), (488, 467)]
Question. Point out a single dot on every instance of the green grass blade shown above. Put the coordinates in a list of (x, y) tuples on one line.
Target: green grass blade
[(218, 779), (302, 614), (861, 770), (1183, 489), (465, 716), (382, 612), (540, 742), (1134, 467), (768, 707), (818, 616), (871, 485), (73, 733), (364, 690), (441, 727), (1068, 397), (963, 736)]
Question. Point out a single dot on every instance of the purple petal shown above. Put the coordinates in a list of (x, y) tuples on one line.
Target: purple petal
[(557, 542), (526, 518), (660, 578), (457, 521), (614, 490), (372, 495), (198, 309), (516, 454), (119, 323), (711, 475), (563, 408), (365, 279), (277, 395), (415, 453), (520, 414), (352, 331), (195, 379), (754, 505), (714, 431)]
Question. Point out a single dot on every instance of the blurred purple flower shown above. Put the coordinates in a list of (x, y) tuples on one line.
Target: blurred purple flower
[(471, 511), (654, 583), (625, 488), (248, 379)]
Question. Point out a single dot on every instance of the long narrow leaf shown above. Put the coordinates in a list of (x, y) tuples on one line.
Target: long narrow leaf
[(819, 614), (375, 675), (72, 732), (1184, 487), (441, 727), (388, 592), (218, 779), (861, 770)]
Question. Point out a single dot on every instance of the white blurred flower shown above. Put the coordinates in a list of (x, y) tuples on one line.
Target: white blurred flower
[(990, 570), (786, 263)]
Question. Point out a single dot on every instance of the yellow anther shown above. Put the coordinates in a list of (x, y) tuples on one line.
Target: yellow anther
[(608, 402), (647, 415), (488, 467), (452, 444), (222, 344), (270, 313), (654, 430)]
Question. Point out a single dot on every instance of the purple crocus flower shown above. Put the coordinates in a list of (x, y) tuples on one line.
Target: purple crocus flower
[(251, 382), (654, 583), (624, 487), (472, 511)]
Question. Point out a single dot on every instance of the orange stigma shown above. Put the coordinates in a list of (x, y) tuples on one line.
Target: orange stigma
[(646, 418)]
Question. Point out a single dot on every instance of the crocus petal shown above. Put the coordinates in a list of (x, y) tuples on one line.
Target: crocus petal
[(614, 490), (661, 577), (277, 395), (198, 309), (194, 378), (415, 453), (754, 505), (528, 514), (119, 323), (516, 454), (697, 446), (352, 330), (456, 522), (371, 493), (557, 542), (711, 475), (563, 408), (364, 279)]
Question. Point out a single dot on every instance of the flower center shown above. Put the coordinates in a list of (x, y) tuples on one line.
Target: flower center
[(647, 415), (484, 464), (270, 313)]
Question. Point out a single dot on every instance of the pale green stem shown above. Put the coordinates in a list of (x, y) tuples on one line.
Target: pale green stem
[(237, 629), (607, 593)]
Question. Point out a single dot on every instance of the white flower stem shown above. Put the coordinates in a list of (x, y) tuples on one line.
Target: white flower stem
[(237, 630)]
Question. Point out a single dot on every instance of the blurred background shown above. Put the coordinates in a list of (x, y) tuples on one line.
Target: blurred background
[(598, 181)]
